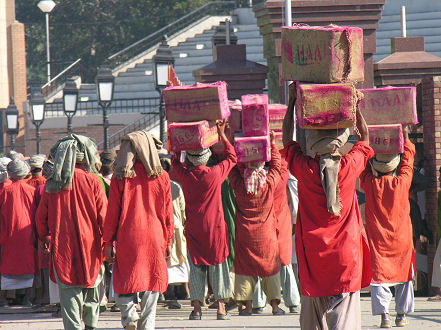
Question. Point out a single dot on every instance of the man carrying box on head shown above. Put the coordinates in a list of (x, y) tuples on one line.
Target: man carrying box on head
[(332, 250), (205, 228), (389, 230), (256, 245)]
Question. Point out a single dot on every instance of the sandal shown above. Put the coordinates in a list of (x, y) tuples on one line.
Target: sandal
[(279, 311), (193, 316)]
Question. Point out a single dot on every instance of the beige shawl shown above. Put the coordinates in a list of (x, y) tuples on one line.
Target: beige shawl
[(139, 145)]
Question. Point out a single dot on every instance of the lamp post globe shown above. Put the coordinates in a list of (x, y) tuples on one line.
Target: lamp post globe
[(105, 83), (12, 123), (38, 105), (70, 102), (46, 6), (162, 60)]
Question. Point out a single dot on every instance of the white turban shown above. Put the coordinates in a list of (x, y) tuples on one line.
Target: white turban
[(18, 169), (37, 161), (385, 163), (199, 157), (4, 161)]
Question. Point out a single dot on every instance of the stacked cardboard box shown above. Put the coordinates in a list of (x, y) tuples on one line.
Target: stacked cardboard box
[(385, 110), (253, 144), (327, 61), (193, 111)]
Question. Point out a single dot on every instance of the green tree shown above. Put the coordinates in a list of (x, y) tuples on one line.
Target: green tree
[(92, 30)]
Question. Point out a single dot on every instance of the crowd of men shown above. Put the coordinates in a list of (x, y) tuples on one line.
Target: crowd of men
[(157, 219)]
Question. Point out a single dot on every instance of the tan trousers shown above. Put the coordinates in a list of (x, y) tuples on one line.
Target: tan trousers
[(244, 287), (331, 313)]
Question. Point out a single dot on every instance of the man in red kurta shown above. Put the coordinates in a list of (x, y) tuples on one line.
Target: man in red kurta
[(70, 224), (36, 162), (332, 251), (140, 220), (389, 230), (18, 259), (205, 228), (4, 181), (256, 231)]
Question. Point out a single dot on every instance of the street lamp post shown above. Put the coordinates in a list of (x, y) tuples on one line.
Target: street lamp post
[(105, 86), (38, 105), (46, 6), (70, 101), (162, 60), (12, 122)]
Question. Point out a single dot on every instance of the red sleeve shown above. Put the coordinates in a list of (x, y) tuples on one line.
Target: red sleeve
[(222, 169), (405, 172), (177, 168), (357, 158), (167, 214), (274, 173), (113, 211), (101, 204), (41, 217)]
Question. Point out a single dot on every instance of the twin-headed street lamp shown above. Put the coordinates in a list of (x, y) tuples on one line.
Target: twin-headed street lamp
[(70, 101), (162, 61), (38, 105), (105, 86), (12, 122)]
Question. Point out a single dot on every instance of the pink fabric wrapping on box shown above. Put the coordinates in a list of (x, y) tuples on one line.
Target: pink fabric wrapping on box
[(389, 105), (276, 114), (386, 139), (322, 54), (325, 106), (254, 148), (197, 102), (235, 120), (192, 136), (255, 119)]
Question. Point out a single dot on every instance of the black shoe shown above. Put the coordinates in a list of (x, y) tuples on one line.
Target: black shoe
[(258, 310), (174, 305), (89, 328)]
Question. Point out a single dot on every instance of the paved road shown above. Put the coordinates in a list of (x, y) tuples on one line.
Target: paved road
[(427, 316)]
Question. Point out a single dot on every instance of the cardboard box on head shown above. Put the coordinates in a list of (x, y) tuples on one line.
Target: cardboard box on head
[(322, 54), (326, 106), (386, 139), (389, 105), (192, 135), (196, 102), (255, 116), (252, 148)]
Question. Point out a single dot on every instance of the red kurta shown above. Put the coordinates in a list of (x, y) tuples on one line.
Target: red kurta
[(388, 223), (205, 228), (283, 216), (74, 219), (332, 251), (140, 219), (256, 246), (17, 229)]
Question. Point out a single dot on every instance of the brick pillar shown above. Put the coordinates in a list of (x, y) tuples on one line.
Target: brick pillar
[(432, 151), (18, 76)]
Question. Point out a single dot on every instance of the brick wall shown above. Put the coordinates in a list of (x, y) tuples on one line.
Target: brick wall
[(432, 151)]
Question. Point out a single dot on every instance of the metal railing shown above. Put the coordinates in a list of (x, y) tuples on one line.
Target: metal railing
[(211, 8), (147, 105), (57, 81), (148, 121)]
